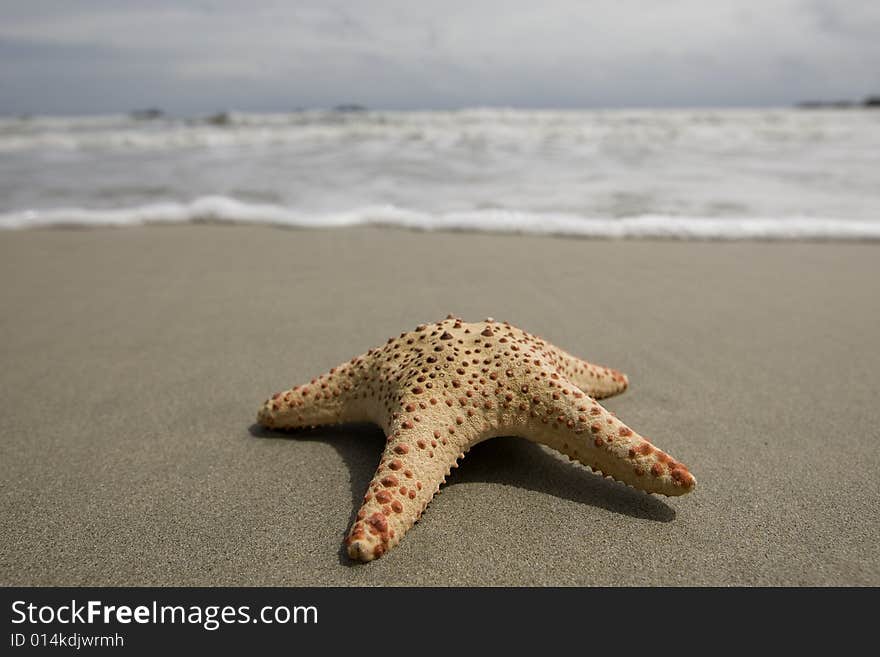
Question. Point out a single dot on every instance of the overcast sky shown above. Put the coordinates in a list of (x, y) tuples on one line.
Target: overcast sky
[(63, 56)]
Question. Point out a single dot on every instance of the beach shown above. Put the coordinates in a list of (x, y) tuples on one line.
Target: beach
[(134, 361)]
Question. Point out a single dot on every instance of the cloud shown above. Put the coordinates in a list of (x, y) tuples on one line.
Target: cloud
[(210, 55)]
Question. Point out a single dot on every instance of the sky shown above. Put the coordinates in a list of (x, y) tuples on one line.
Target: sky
[(89, 56)]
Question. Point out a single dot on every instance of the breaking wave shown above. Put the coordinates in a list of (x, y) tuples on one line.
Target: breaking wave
[(224, 210)]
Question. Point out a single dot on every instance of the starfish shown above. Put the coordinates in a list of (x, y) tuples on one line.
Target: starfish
[(441, 389)]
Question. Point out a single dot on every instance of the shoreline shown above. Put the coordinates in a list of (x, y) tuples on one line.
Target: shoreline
[(226, 212), (135, 361)]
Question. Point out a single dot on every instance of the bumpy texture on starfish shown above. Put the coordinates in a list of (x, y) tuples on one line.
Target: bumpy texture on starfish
[(443, 388)]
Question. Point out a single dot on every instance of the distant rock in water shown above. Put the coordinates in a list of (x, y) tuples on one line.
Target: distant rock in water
[(826, 104), (220, 118), (350, 108), (149, 114), (870, 101)]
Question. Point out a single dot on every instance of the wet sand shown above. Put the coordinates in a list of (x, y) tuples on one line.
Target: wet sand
[(134, 361)]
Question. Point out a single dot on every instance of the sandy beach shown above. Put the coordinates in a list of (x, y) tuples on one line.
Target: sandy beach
[(134, 361)]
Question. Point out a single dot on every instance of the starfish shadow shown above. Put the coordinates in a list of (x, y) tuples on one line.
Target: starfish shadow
[(359, 445), (511, 461)]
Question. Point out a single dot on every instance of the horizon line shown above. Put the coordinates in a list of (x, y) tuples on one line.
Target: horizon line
[(157, 112)]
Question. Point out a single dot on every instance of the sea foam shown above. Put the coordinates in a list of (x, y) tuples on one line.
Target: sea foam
[(223, 210)]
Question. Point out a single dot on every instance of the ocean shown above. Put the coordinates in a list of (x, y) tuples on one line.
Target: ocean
[(684, 174)]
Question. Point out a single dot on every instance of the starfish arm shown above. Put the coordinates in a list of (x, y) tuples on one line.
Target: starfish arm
[(337, 397), (586, 432), (597, 381), (418, 457)]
